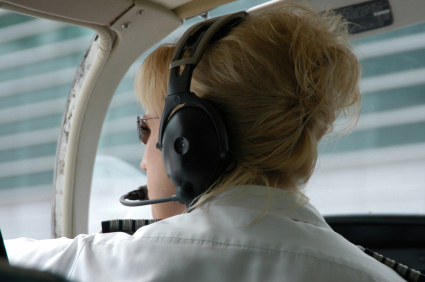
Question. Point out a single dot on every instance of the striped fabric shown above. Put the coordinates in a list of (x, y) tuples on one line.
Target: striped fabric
[(407, 273), (129, 226)]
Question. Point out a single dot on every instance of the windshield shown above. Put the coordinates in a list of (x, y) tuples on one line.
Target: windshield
[(38, 60), (378, 168)]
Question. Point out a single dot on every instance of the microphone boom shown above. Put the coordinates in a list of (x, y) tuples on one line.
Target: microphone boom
[(139, 197)]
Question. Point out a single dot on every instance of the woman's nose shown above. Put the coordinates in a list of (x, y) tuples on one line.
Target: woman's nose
[(143, 164)]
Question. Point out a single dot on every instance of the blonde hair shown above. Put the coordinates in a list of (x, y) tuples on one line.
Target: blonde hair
[(280, 79)]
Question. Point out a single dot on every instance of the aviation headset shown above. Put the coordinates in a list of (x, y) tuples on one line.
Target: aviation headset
[(192, 135), (193, 139)]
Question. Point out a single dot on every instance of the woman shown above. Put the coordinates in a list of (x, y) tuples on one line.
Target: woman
[(279, 80)]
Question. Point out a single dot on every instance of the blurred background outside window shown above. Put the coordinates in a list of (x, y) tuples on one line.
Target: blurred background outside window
[(38, 60), (379, 168)]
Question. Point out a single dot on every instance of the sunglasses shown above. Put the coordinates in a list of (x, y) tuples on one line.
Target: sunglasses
[(143, 129)]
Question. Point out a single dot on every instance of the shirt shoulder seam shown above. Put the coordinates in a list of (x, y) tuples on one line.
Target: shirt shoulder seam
[(220, 244)]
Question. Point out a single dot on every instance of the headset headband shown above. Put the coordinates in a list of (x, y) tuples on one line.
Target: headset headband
[(195, 39)]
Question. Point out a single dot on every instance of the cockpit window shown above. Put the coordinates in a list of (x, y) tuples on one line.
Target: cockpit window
[(378, 168), (38, 59)]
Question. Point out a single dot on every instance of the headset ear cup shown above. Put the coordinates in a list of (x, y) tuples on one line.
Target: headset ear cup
[(184, 194), (191, 149)]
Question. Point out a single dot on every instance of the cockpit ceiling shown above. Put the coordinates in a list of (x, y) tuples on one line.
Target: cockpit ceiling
[(101, 12), (105, 12), (172, 4)]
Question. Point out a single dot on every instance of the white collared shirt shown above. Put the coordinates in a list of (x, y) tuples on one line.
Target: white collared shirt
[(238, 236)]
